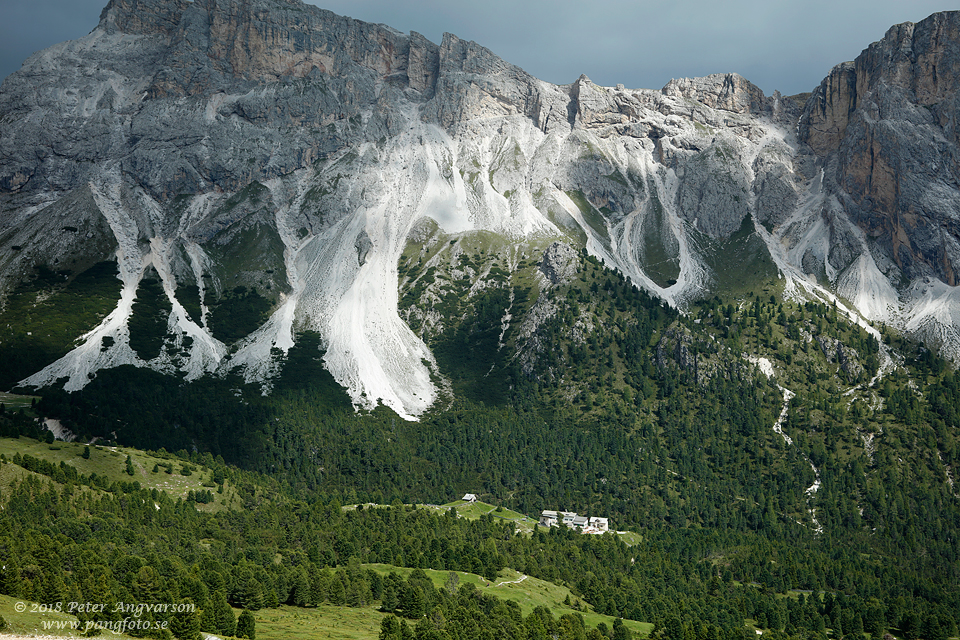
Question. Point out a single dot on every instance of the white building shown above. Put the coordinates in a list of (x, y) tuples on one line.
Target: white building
[(600, 524), (549, 518), (571, 520)]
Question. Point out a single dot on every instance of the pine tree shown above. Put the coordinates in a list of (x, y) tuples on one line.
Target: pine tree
[(246, 626), (621, 631), (11, 580), (910, 625), (208, 620), (300, 594), (931, 628), (673, 628), (337, 593), (185, 625), (411, 601), (251, 595), (390, 600), (874, 623), (453, 580), (390, 629), (146, 585), (224, 621)]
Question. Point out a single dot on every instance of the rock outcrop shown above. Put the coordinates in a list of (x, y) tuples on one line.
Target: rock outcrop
[(560, 263), (729, 92), (885, 126), (272, 147)]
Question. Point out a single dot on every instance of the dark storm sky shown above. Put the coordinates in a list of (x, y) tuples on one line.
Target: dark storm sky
[(788, 46)]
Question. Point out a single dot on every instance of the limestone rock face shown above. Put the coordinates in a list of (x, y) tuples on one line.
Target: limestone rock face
[(595, 106), (230, 145), (474, 83), (828, 112), (729, 92), (886, 125), (559, 263), (143, 17), (211, 94)]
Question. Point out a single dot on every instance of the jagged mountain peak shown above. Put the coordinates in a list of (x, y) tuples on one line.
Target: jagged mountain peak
[(143, 17), (271, 162), (728, 91)]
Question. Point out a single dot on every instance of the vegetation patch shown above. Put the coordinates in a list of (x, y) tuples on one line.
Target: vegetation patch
[(591, 214), (473, 346), (302, 370), (151, 314), (246, 249), (42, 318), (106, 468), (529, 593), (14, 402), (661, 264), (740, 263), (237, 314), (189, 297), (322, 621)]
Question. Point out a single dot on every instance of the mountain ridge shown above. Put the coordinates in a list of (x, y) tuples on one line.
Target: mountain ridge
[(278, 148)]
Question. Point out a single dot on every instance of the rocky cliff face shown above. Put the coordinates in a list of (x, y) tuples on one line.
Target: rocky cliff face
[(270, 153), (883, 129), (885, 126)]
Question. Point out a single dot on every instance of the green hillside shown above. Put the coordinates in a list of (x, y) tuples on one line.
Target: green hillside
[(104, 466), (614, 405)]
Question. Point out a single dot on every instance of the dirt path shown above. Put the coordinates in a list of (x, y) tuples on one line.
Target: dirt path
[(500, 584)]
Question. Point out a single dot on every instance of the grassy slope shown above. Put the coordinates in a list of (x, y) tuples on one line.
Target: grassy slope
[(286, 622), (14, 402), (526, 524), (739, 263), (474, 510), (348, 623), (528, 592), (523, 523), (324, 621), (110, 462)]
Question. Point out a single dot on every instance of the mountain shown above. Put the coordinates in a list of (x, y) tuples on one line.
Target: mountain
[(375, 269), (252, 171)]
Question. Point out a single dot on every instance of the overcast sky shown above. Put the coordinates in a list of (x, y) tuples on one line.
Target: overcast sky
[(788, 46)]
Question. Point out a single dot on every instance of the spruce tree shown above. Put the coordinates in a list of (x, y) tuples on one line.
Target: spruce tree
[(390, 629), (225, 622), (246, 626), (390, 600), (185, 625), (621, 631)]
